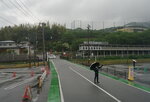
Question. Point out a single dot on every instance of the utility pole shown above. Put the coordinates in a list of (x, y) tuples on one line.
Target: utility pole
[(29, 51), (88, 28), (35, 49), (43, 37)]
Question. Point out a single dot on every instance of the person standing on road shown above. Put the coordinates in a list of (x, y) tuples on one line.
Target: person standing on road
[(96, 70)]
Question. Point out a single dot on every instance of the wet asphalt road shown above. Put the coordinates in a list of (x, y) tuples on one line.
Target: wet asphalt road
[(13, 91), (77, 86)]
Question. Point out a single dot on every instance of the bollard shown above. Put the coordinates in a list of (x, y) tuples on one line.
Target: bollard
[(131, 73)]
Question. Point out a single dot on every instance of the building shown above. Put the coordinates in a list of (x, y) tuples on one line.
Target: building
[(132, 29), (14, 48), (103, 49)]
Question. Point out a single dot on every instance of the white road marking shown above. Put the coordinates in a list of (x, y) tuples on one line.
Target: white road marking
[(36, 98), (116, 80), (20, 83), (95, 85), (61, 93)]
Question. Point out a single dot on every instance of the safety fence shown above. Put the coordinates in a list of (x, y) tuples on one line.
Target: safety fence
[(17, 58), (142, 69), (121, 76), (115, 72)]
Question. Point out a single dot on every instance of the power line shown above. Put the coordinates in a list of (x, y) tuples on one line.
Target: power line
[(8, 6), (28, 10), (21, 7), (5, 4), (7, 20), (24, 10), (17, 7)]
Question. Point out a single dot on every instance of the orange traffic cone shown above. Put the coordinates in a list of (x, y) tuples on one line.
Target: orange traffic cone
[(42, 69), (32, 73), (27, 94), (14, 74), (47, 70)]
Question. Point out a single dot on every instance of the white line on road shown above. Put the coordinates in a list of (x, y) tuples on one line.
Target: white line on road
[(20, 83), (36, 98), (61, 93), (115, 80), (95, 85)]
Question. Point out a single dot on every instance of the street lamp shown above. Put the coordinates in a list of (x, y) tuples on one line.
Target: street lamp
[(29, 52)]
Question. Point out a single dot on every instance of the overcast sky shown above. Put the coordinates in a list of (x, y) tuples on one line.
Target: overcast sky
[(111, 12)]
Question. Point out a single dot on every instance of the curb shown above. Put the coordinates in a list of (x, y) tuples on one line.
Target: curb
[(138, 86), (54, 92)]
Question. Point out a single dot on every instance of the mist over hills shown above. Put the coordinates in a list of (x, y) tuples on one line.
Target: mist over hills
[(140, 24)]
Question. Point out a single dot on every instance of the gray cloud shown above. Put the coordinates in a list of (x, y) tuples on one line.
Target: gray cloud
[(62, 11)]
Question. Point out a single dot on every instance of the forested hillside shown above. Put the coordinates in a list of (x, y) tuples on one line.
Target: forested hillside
[(58, 38)]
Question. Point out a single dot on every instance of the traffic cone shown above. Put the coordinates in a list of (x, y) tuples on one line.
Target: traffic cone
[(32, 73), (42, 69), (27, 94), (47, 70), (14, 74)]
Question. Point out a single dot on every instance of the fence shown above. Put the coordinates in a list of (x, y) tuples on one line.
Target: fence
[(17, 58), (115, 72)]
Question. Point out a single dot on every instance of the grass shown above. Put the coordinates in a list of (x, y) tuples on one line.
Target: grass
[(54, 93), (111, 61)]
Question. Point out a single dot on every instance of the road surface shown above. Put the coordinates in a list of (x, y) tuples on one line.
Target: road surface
[(77, 86), (13, 90)]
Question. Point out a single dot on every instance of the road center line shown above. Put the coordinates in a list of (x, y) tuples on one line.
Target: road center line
[(95, 85)]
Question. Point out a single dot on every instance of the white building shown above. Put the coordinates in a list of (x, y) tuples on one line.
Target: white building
[(12, 47), (102, 49)]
